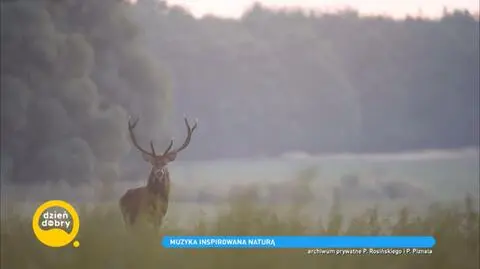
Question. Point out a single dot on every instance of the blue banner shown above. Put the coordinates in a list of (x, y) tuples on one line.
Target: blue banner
[(298, 241)]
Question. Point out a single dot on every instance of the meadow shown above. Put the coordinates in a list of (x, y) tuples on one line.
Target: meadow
[(248, 210)]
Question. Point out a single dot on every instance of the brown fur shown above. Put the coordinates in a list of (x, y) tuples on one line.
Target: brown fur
[(151, 200), (132, 202)]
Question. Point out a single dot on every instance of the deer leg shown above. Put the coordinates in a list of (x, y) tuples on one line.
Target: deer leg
[(159, 222), (164, 208), (125, 219), (133, 216)]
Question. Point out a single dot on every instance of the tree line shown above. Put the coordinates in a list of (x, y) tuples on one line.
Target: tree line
[(276, 81)]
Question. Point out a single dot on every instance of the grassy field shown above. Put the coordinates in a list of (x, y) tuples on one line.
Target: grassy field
[(106, 244)]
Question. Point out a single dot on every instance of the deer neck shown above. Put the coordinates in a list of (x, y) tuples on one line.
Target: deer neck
[(159, 182)]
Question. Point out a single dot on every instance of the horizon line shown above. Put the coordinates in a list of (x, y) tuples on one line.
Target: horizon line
[(420, 13)]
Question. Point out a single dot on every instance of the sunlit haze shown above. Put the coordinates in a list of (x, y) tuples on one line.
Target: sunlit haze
[(395, 8)]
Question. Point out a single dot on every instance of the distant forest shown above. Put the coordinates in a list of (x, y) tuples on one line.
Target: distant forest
[(278, 81)]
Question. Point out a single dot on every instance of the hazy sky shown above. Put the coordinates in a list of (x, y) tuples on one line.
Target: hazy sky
[(396, 8)]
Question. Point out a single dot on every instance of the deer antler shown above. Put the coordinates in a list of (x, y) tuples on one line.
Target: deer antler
[(187, 139), (169, 147), (131, 126)]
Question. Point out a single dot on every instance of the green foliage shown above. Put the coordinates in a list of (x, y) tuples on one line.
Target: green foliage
[(106, 244)]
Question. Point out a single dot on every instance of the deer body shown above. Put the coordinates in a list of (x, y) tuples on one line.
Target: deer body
[(132, 203), (151, 200)]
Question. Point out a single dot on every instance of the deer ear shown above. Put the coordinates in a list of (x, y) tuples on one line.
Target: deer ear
[(171, 156), (147, 157)]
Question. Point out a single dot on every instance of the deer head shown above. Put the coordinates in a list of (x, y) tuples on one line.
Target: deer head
[(159, 162)]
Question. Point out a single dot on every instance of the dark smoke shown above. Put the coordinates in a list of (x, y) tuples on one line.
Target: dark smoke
[(71, 74)]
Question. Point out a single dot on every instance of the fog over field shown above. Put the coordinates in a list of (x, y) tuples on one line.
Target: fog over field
[(413, 179), (308, 123)]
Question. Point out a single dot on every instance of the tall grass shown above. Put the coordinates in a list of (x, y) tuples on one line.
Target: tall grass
[(105, 243)]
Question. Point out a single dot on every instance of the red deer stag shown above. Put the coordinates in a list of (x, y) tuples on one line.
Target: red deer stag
[(152, 199)]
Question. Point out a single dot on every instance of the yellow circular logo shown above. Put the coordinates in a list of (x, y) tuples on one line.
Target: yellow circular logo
[(56, 223)]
